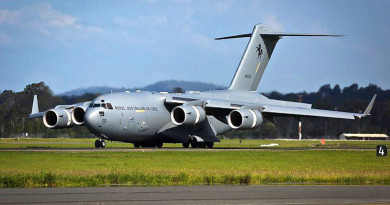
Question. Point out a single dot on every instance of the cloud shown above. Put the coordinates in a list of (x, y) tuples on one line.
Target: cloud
[(164, 1), (44, 19), (52, 17), (223, 6), (9, 17), (142, 20), (153, 20), (123, 22), (272, 21), (202, 41), (92, 29), (317, 28), (5, 39)]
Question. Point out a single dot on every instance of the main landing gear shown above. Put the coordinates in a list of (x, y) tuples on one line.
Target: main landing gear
[(195, 144), (151, 145), (100, 143)]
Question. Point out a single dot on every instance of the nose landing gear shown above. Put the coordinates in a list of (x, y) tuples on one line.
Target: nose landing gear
[(100, 143)]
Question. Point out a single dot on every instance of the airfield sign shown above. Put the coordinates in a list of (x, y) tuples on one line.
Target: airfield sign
[(381, 150)]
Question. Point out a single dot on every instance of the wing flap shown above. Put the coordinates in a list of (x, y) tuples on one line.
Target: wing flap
[(282, 110)]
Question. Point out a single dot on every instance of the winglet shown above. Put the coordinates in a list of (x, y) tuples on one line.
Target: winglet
[(367, 112), (35, 108), (369, 107)]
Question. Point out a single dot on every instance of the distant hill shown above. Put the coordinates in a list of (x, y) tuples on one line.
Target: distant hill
[(166, 85)]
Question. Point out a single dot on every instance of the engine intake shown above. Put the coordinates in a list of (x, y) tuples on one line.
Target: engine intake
[(188, 115), (78, 115), (57, 119), (245, 119)]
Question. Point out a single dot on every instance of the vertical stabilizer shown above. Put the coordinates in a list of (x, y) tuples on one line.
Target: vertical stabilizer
[(255, 60), (256, 56)]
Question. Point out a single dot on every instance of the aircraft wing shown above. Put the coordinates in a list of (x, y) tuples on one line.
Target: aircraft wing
[(283, 108), (35, 110), (35, 115), (295, 111)]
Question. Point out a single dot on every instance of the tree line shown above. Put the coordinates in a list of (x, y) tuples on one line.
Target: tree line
[(15, 107)]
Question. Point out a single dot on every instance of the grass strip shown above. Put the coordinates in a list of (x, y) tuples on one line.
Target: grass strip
[(137, 178)]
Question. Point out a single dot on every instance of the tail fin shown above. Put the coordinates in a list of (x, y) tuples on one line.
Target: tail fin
[(256, 56)]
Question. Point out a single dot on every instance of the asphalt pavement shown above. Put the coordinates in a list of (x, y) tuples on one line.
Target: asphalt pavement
[(200, 195)]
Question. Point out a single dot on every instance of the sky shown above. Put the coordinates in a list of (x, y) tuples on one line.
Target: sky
[(76, 44)]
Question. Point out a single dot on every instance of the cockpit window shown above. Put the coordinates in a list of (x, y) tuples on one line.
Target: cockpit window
[(103, 105)]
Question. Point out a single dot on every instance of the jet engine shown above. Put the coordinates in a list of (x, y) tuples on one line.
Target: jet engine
[(57, 118), (187, 115), (245, 119), (78, 114)]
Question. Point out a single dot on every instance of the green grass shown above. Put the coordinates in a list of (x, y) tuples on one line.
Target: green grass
[(167, 167), (227, 143)]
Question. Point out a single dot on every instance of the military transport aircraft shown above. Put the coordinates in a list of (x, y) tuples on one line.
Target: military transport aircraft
[(149, 119)]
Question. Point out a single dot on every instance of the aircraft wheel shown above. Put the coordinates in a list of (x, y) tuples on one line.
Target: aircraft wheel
[(100, 143), (137, 145), (210, 144), (194, 144), (159, 145), (186, 145), (202, 145), (97, 144)]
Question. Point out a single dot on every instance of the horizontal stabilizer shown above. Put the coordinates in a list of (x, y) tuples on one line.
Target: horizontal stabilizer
[(236, 36), (262, 42), (280, 34), (300, 34)]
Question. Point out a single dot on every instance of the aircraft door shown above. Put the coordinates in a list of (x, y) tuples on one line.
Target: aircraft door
[(126, 126), (130, 127)]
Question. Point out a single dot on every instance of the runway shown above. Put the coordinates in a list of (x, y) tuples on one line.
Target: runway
[(200, 195), (219, 149)]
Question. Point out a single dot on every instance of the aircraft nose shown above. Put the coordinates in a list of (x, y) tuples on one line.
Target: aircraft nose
[(90, 118)]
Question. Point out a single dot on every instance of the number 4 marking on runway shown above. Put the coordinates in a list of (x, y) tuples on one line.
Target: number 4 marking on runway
[(381, 150)]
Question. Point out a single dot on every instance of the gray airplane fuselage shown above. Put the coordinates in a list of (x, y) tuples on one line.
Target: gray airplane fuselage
[(139, 116)]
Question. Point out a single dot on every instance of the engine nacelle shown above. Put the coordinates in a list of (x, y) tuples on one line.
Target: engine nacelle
[(78, 114), (245, 119), (57, 118), (188, 115)]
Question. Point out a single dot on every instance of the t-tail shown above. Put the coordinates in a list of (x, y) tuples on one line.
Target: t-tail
[(256, 56)]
